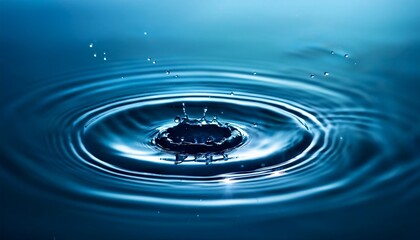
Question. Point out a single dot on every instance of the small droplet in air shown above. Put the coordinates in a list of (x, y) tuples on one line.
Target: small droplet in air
[(94, 55), (168, 72), (154, 62), (204, 112), (177, 119), (91, 45), (254, 124), (332, 52), (184, 110), (254, 73), (145, 33), (312, 75), (346, 55), (104, 58), (231, 93), (149, 59), (104, 53), (326, 73), (176, 76)]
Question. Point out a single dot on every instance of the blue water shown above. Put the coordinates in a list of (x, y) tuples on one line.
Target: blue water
[(325, 94)]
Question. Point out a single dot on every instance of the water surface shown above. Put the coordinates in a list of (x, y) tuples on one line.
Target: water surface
[(325, 95)]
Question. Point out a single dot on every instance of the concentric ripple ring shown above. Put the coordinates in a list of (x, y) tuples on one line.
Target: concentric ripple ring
[(96, 128)]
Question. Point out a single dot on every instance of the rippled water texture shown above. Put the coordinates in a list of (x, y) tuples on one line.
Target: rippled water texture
[(326, 129)]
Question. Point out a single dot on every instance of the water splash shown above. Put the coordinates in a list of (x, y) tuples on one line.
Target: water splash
[(200, 138)]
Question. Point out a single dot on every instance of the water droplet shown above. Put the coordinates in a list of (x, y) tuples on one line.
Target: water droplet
[(255, 124), (332, 52), (255, 73), (242, 166), (149, 59), (312, 76), (104, 53), (177, 119), (168, 72), (346, 55), (231, 93), (94, 55), (104, 58), (326, 73), (154, 62), (198, 215), (176, 76), (145, 33), (91, 45), (184, 110)]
